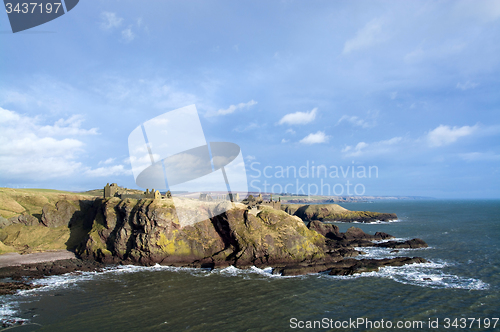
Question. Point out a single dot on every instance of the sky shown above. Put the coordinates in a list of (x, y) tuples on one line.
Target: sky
[(406, 89)]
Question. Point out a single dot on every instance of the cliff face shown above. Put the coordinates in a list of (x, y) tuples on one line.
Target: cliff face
[(148, 232)]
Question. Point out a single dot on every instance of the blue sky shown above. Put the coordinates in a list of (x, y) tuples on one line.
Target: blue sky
[(408, 87)]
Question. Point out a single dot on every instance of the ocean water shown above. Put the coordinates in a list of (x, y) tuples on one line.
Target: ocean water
[(459, 290)]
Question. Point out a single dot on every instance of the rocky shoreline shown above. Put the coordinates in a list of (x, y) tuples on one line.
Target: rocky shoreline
[(112, 231), (339, 248), (18, 277)]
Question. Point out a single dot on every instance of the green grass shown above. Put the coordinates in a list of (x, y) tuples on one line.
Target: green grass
[(34, 238), (14, 202)]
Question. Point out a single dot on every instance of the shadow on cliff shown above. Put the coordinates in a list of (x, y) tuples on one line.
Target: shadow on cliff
[(80, 224), (222, 227)]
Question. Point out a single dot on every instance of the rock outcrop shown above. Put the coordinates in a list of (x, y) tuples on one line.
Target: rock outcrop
[(351, 266), (148, 232), (60, 215), (347, 266), (409, 244), (24, 218), (334, 212)]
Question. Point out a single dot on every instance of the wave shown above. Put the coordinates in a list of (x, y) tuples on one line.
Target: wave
[(424, 275), (9, 311), (421, 274), (379, 252), (376, 222), (72, 279), (399, 239)]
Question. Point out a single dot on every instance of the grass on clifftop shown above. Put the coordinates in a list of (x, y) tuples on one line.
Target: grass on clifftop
[(25, 239), (14, 202), (28, 239)]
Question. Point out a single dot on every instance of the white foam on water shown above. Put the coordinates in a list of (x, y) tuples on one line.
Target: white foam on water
[(232, 271), (380, 252), (72, 279), (265, 271), (424, 275), (8, 312), (374, 252), (398, 239), (376, 222)]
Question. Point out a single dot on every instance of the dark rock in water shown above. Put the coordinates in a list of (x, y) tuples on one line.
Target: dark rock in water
[(351, 266), (327, 230), (409, 244), (345, 267), (13, 287), (354, 237), (17, 275), (294, 270), (383, 236)]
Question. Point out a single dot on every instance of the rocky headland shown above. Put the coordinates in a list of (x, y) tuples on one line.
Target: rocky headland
[(334, 212), (114, 231)]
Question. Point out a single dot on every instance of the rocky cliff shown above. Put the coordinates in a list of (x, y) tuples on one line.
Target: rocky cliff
[(148, 231), (334, 212)]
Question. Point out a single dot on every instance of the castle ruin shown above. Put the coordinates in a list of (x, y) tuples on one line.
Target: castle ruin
[(113, 190), (254, 202)]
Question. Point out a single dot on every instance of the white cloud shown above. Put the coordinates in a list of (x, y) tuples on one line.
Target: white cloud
[(316, 138), (128, 35), (467, 85), (480, 156), (284, 140), (415, 55), (441, 51), (27, 151), (156, 93), (444, 135), (485, 10), (369, 35), (375, 148), (107, 161), (231, 109), (290, 131), (347, 148), (31, 151), (70, 126), (108, 171), (110, 20), (250, 126), (299, 117), (357, 121)]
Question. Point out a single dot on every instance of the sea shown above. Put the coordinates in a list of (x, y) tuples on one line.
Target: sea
[(458, 290)]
